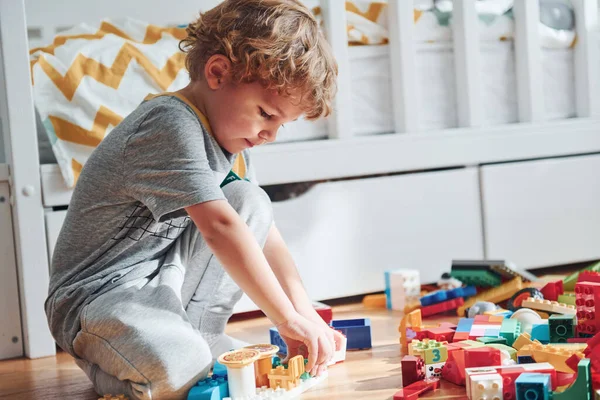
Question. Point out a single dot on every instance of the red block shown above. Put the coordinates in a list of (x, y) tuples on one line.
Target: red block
[(324, 311), (589, 276), (564, 379), (413, 391), (454, 369), (460, 336), (448, 325), (482, 357), (572, 362), (440, 334), (552, 290), (593, 342), (442, 307), (413, 370)]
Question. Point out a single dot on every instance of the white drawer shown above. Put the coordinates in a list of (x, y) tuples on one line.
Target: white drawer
[(543, 213), (344, 235)]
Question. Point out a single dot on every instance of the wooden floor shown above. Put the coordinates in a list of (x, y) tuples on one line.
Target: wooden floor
[(368, 374)]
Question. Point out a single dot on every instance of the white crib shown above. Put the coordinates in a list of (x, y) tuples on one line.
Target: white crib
[(411, 198)]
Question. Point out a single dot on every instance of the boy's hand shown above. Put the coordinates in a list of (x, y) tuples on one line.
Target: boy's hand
[(318, 339)]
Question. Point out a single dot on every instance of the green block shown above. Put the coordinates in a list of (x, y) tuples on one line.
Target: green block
[(570, 281), (567, 299), (510, 329), (561, 328), (489, 340), (476, 277), (582, 388), (502, 347)]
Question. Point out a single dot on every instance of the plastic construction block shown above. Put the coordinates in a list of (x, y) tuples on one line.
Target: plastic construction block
[(442, 295), (525, 360), (412, 391), (431, 351), (488, 340), (479, 278), (486, 386), (523, 340), (553, 354), (552, 290), (541, 332), (482, 357), (516, 300), (587, 295), (533, 386), (569, 281), (433, 371), (219, 370), (454, 369), (549, 306), (567, 298), (442, 307), (401, 287), (509, 374), (413, 370), (561, 327), (375, 301), (493, 295), (505, 351), (510, 329), (306, 383), (324, 311), (505, 269), (277, 340), (209, 389), (440, 334), (581, 389), (357, 331)]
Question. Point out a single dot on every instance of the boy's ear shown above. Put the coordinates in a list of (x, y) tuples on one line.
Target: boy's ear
[(217, 71)]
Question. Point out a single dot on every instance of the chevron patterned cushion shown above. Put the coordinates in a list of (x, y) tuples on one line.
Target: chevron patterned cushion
[(91, 77)]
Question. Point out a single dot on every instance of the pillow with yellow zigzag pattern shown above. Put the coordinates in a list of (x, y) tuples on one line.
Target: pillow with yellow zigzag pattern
[(91, 77)]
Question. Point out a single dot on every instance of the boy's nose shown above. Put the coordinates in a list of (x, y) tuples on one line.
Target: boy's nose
[(268, 135)]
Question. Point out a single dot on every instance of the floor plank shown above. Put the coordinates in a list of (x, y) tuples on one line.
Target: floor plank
[(369, 374)]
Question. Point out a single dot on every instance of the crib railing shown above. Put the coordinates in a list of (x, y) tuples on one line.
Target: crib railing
[(528, 63)]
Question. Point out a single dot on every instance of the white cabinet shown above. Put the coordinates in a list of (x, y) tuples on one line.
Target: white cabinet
[(543, 213), (11, 341), (345, 234)]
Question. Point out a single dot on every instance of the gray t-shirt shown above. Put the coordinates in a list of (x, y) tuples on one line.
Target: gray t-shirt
[(128, 205)]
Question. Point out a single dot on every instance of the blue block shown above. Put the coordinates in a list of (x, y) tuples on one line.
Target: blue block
[(465, 325), (209, 389), (540, 332), (493, 332), (525, 360), (434, 297), (357, 332), (443, 295), (219, 370), (466, 291), (277, 340), (533, 386)]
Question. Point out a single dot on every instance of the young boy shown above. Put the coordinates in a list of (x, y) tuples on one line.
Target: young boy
[(156, 241)]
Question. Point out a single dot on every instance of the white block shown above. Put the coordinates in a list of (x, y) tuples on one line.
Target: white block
[(487, 386)]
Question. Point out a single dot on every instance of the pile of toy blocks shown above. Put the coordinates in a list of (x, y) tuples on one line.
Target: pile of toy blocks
[(517, 337)]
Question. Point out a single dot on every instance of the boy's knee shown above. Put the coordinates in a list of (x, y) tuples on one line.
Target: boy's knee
[(249, 200)]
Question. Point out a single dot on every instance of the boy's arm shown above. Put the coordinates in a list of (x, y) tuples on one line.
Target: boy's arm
[(233, 244), (284, 267)]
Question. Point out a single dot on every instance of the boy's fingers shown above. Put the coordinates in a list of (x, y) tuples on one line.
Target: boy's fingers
[(313, 352)]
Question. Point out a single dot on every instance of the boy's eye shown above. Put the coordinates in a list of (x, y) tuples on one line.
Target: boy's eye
[(264, 114)]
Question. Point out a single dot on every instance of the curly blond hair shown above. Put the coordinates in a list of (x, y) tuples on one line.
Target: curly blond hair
[(275, 42)]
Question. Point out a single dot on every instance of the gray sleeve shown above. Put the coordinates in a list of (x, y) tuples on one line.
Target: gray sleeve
[(165, 163)]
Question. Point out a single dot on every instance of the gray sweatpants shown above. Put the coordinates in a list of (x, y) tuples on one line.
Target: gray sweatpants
[(146, 339)]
